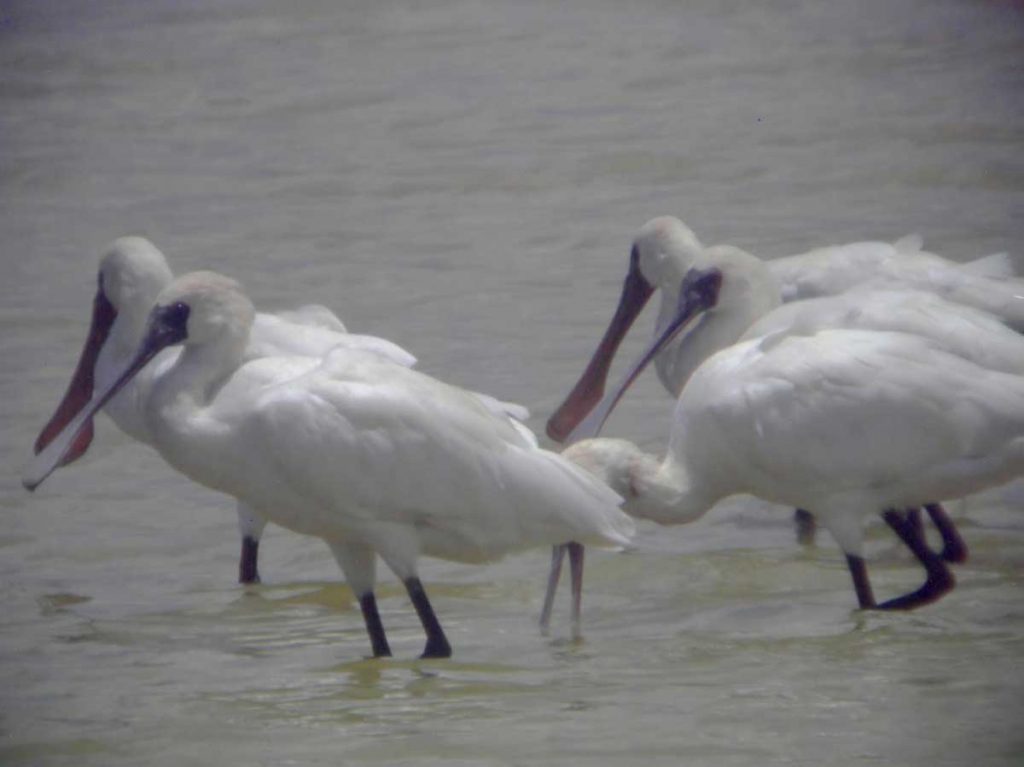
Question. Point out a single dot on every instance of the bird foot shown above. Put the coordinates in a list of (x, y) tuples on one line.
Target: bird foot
[(939, 583), (437, 649)]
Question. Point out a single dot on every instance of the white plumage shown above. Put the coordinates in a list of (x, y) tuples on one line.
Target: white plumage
[(844, 422), (943, 342), (849, 420), (968, 308), (132, 273), (665, 250), (369, 455)]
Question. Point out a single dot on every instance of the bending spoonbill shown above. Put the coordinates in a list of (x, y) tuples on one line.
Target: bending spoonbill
[(371, 456), (665, 249), (132, 273), (844, 422)]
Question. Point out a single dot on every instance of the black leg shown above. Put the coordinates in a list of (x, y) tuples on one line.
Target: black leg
[(247, 570), (953, 547), (374, 626), (939, 581), (437, 642), (554, 574), (914, 522), (861, 584), (806, 526), (576, 576)]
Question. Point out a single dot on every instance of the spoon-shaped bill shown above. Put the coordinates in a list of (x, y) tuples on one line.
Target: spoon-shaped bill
[(165, 328), (636, 290), (698, 293), (80, 388)]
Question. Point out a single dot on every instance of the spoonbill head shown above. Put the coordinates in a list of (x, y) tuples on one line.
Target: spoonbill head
[(132, 272), (664, 251), (661, 254), (742, 291), (371, 456)]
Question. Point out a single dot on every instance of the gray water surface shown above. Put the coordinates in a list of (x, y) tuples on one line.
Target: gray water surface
[(464, 177)]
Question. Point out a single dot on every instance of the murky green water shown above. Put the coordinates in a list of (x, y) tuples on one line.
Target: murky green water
[(464, 178)]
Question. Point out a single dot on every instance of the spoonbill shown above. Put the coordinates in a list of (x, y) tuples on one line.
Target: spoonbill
[(371, 456), (132, 272), (665, 249), (843, 421)]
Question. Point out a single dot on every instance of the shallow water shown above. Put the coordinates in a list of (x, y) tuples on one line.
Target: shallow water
[(464, 178)]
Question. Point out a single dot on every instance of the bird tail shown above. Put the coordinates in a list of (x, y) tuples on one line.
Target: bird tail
[(996, 265)]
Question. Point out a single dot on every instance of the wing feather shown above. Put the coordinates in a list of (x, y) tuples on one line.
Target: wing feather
[(392, 447), (846, 409)]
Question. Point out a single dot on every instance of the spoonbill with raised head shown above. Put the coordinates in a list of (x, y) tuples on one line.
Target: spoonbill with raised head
[(132, 273), (371, 456), (665, 249)]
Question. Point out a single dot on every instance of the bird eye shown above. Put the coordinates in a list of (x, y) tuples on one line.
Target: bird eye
[(168, 324), (177, 314), (172, 316)]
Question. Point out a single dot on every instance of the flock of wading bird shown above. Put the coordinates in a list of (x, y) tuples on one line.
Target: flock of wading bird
[(869, 378)]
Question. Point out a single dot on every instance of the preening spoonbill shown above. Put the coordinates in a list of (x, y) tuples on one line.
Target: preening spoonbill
[(841, 421), (665, 249), (371, 456), (748, 307), (132, 272)]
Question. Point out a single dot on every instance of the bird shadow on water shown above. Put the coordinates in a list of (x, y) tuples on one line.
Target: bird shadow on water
[(333, 596), (384, 693), (337, 594)]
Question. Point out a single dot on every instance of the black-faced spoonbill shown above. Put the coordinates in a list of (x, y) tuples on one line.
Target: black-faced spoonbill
[(371, 456)]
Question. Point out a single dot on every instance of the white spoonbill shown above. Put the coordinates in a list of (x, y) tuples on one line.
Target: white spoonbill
[(844, 422), (371, 456), (665, 249), (132, 272)]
